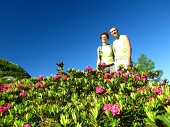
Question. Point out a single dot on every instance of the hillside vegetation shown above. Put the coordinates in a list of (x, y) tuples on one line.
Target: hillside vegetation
[(10, 72)]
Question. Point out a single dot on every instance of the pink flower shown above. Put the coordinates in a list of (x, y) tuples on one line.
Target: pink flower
[(40, 77), (158, 91), (4, 89), (56, 77), (27, 125), (9, 86), (126, 75), (107, 107), (107, 80), (113, 108), (1, 108), (29, 86), (118, 73), (99, 89), (64, 78), (151, 99), (138, 77), (107, 75), (144, 77), (89, 68), (103, 64), (7, 105), (20, 85), (4, 107), (147, 87), (43, 85), (37, 85), (23, 93), (140, 89)]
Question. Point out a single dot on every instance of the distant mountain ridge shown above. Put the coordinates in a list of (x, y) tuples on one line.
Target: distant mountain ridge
[(10, 72)]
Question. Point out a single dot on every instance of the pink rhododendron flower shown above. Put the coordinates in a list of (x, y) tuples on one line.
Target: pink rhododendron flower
[(37, 85), (99, 89), (118, 73), (4, 89), (107, 107), (113, 108), (1, 108), (89, 68), (4, 107), (9, 86), (43, 85), (20, 85), (64, 78), (1, 86), (144, 77), (23, 93), (40, 77), (158, 91), (147, 87), (108, 75), (103, 64), (126, 75), (140, 89), (29, 86), (151, 99), (56, 77), (27, 125), (138, 77), (107, 80), (7, 105)]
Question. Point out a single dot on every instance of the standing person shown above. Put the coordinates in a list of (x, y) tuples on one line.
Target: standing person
[(122, 49), (105, 53)]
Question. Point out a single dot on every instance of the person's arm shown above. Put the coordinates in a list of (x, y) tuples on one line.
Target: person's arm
[(114, 50), (129, 53), (98, 58)]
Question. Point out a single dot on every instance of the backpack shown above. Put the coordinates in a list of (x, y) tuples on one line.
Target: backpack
[(100, 51)]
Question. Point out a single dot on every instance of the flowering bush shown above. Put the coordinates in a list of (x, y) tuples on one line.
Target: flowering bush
[(83, 99)]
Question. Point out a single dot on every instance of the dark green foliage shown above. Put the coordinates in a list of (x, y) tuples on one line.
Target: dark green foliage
[(10, 71)]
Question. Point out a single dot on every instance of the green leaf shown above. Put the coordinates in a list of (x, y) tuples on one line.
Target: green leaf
[(150, 122), (165, 119)]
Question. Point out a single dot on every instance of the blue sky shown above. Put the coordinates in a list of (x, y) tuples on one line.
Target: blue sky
[(36, 34)]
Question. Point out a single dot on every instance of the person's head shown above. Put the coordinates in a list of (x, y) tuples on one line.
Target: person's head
[(114, 32), (104, 36)]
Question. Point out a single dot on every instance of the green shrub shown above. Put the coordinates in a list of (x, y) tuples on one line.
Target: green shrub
[(88, 98)]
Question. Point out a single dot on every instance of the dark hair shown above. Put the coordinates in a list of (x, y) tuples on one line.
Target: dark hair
[(113, 27), (104, 33)]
